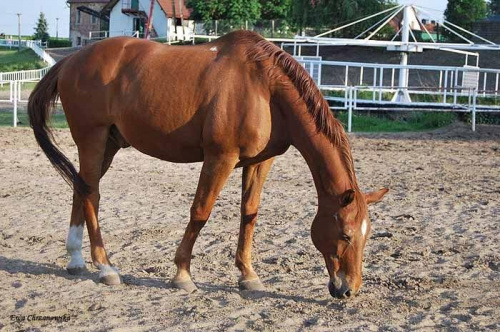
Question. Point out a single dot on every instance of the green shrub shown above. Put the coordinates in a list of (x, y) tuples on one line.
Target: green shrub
[(55, 43)]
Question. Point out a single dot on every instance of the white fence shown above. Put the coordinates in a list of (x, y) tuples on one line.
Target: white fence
[(35, 45), (16, 80), (24, 75), (103, 34), (363, 86)]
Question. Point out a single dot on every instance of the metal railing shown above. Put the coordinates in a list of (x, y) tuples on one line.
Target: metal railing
[(24, 75), (361, 86), (453, 80), (103, 34), (353, 100)]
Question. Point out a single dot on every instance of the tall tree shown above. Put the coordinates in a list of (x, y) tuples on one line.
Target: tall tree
[(41, 29), (208, 10), (274, 9), (464, 12), (241, 11), (325, 14), (494, 7)]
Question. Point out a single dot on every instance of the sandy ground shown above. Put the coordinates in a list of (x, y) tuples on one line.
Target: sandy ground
[(432, 261)]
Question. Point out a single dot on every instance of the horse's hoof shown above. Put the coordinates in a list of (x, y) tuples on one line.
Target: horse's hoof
[(111, 279), (109, 275), (187, 285), (253, 285), (76, 270)]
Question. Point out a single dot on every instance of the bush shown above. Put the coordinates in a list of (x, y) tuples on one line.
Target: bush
[(55, 43)]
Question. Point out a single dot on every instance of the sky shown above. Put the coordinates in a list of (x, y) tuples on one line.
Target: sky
[(30, 10)]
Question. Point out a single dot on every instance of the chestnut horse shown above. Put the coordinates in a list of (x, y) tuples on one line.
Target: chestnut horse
[(235, 102)]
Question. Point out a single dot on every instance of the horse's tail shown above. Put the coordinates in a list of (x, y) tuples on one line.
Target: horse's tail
[(40, 104)]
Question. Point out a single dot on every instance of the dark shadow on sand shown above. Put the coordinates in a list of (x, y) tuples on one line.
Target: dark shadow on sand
[(14, 266)]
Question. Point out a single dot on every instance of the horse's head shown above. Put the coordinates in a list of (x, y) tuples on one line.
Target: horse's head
[(340, 232)]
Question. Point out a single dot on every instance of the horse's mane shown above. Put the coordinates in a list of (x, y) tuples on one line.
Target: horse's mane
[(261, 50)]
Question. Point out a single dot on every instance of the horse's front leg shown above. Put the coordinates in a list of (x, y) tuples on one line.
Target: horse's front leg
[(254, 177), (214, 173)]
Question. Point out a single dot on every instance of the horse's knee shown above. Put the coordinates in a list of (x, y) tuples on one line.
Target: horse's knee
[(248, 218), (199, 215)]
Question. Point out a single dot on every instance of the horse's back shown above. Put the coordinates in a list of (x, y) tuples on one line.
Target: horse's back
[(170, 101)]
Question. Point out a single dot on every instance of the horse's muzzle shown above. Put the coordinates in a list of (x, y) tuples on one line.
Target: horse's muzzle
[(343, 292)]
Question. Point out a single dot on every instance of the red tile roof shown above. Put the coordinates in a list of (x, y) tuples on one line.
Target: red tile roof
[(87, 1), (169, 7), (172, 8)]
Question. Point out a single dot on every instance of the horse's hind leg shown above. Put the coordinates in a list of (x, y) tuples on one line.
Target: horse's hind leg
[(95, 153), (214, 173), (254, 177), (74, 240)]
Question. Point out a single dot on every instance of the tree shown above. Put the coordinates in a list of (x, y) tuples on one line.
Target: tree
[(41, 30), (463, 13), (234, 12), (494, 7), (326, 14), (207, 10), (274, 9), (238, 11), (241, 11)]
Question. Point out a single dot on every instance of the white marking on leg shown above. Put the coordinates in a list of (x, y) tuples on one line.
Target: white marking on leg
[(364, 227), (74, 247), (107, 270)]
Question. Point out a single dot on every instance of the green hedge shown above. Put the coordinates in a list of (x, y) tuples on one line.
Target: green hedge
[(55, 43)]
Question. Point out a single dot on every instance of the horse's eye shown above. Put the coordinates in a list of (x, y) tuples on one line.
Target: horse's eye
[(346, 237)]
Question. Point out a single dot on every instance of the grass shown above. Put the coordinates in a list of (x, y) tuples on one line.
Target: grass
[(12, 60), (415, 121), (426, 98), (58, 120), (25, 86)]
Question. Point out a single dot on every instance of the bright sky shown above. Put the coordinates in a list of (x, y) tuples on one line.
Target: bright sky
[(30, 9), (435, 7)]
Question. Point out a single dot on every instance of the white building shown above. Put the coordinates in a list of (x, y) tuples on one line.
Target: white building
[(170, 18)]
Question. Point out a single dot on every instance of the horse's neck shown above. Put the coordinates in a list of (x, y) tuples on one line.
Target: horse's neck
[(325, 160)]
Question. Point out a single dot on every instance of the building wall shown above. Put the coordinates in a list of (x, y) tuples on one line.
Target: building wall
[(119, 23), (78, 31), (160, 21)]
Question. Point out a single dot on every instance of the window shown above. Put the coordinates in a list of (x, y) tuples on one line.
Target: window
[(78, 41), (78, 17), (94, 19)]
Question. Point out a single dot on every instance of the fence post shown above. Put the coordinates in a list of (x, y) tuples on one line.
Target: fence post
[(474, 110), (14, 121), (320, 64), (349, 113)]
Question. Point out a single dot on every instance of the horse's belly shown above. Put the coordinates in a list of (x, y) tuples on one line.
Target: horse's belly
[(177, 146)]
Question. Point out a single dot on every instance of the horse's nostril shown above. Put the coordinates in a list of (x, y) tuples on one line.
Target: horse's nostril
[(347, 293)]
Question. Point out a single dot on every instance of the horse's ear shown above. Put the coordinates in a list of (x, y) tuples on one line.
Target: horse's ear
[(346, 198), (375, 196)]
